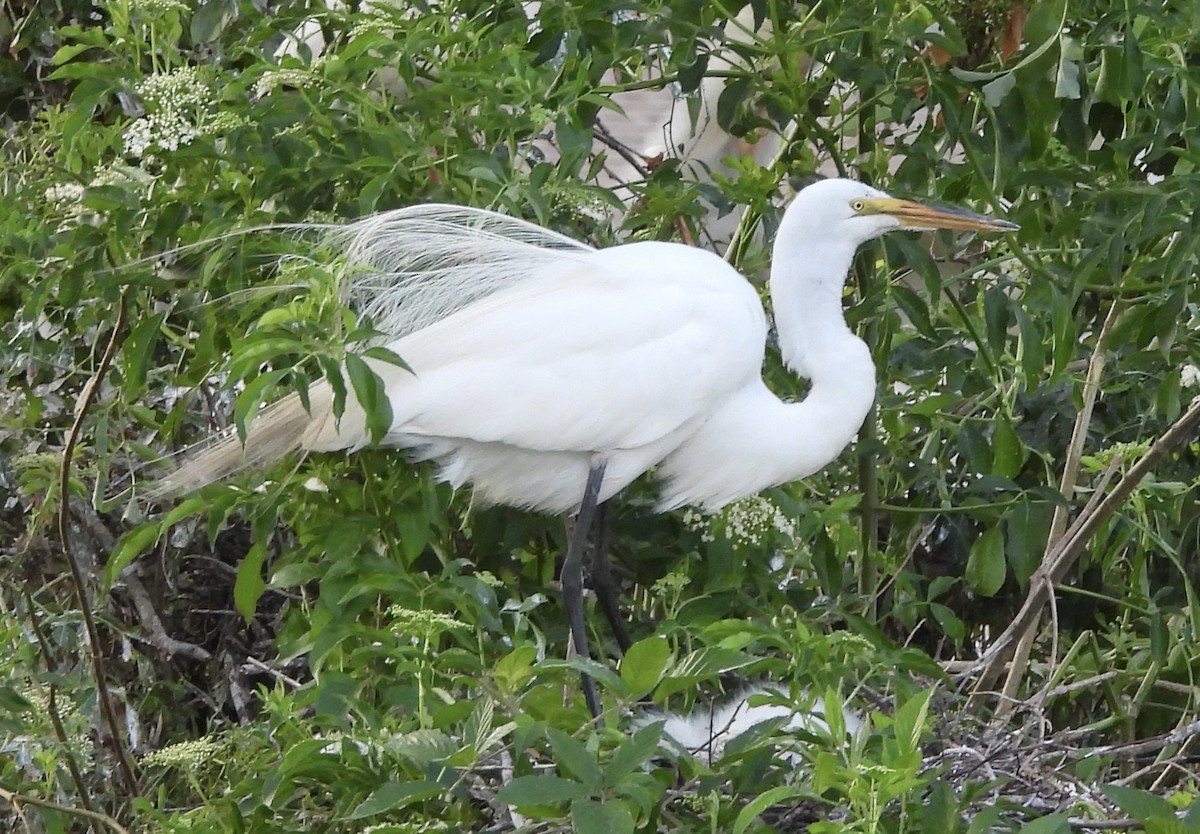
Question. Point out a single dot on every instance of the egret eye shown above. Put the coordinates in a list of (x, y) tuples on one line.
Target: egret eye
[(857, 206)]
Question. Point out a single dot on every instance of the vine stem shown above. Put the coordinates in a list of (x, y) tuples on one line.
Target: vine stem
[(99, 664)]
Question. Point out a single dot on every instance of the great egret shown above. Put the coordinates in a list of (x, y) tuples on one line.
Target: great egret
[(549, 375)]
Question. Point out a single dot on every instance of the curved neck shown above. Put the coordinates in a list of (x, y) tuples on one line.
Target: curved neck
[(808, 275)]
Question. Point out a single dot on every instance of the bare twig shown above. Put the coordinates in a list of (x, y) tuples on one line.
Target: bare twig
[(255, 663), (1070, 478), (17, 799), (155, 633), (1063, 555), (87, 397)]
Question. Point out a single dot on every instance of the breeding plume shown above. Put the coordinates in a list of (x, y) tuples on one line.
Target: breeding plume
[(549, 375)]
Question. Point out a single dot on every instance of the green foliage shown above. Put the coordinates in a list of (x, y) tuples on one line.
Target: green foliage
[(357, 647)]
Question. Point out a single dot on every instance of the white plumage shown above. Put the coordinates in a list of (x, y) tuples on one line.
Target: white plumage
[(535, 358), (707, 731)]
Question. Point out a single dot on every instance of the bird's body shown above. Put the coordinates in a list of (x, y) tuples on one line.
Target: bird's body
[(637, 356), (549, 375), (521, 393)]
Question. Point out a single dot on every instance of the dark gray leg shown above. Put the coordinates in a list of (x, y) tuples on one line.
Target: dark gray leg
[(571, 579), (607, 592)]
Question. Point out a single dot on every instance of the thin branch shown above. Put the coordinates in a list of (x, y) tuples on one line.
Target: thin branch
[(17, 799), (87, 397), (1064, 554), (60, 731), (156, 633)]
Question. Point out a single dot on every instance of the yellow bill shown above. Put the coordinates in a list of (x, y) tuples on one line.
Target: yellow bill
[(914, 215)]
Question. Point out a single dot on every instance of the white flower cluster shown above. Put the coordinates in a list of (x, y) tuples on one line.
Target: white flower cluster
[(185, 754), (745, 523), (162, 6), (1189, 377), (425, 623), (175, 103), (297, 78), (64, 194)]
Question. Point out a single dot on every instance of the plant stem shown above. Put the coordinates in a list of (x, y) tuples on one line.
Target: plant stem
[(87, 397)]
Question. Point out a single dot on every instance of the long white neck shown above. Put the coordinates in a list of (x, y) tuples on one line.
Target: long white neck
[(808, 275), (755, 441)]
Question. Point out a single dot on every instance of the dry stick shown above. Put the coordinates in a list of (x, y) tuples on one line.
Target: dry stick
[(992, 661), (98, 662), (1095, 514), (1070, 477), (16, 799)]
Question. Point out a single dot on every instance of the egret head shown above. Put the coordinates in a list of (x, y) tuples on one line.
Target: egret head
[(840, 207)]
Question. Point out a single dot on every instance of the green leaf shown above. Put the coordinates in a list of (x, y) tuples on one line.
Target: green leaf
[(986, 567), (383, 354), (251, 400), (394, 795), (1007, 450), (1158, 825), (941, 812), (1066, 82), (643, 665), (372, 396), (910, 720), (129, 547), (591, 817), (760, 803), (211, 18), (633, 753), (1140, 805), (700, 665), (249, 584), (543, 789), (574, 759), (515, 669), (1053, 824), (136, 352)]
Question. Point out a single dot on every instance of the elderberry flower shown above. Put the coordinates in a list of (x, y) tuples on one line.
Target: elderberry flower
[(64, 194), (185, 754)]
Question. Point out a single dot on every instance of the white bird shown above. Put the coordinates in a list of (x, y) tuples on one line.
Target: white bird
[(705, 732), (550, 375)]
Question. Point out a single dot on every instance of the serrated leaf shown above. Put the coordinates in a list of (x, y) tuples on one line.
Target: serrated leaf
[(591, 817), (986, 568), (383, 354), (573, 758), (644, 664), (515, 669), (540, 789), (633, 753), (394, 795)]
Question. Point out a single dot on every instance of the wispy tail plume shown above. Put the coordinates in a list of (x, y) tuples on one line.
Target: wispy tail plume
[(278, 431)]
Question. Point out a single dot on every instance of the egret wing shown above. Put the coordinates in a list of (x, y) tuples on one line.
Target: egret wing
[(615, 352)]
